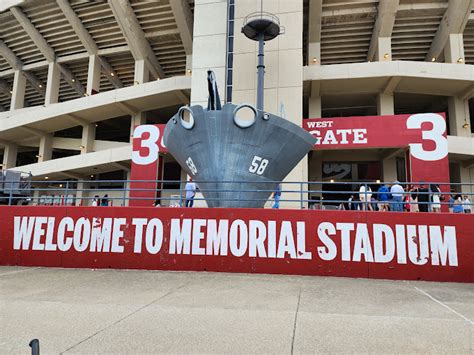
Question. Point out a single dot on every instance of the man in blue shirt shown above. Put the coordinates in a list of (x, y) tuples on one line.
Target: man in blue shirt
[(383, 196), (276, 196)]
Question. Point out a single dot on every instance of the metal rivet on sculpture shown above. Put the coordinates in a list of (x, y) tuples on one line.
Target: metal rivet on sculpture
[(220, 150)]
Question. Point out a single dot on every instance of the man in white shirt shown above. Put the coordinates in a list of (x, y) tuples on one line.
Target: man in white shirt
[(190, 189), (397, 197)]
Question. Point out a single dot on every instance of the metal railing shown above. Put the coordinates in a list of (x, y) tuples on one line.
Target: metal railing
[(346, 195)]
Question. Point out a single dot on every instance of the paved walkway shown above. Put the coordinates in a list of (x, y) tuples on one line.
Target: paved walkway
[(85, 311)]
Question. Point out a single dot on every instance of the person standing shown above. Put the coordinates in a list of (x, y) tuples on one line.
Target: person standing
[(466, 203), (95, 201), (413, 194), (423, 198), (397, 196), (458, 204), (277, 196), (435, 198), (365, 197), (383, 197), (105, 200), (190, 189)]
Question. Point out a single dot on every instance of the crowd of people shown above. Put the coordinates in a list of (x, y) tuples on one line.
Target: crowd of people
[(394, 197)]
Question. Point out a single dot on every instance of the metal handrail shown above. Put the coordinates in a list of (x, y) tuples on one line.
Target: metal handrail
[(308, 194)]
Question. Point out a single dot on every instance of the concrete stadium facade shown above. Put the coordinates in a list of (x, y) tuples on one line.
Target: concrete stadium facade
[(76, 76)]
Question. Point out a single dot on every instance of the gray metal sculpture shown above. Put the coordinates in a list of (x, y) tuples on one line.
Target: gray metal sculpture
[(236, 162)]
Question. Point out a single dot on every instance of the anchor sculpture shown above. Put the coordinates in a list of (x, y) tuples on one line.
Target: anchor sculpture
[(236, 162)]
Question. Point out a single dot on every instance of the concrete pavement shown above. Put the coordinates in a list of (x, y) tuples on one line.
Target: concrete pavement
[(113, 311)]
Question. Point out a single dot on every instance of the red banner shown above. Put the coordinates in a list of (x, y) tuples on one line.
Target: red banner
[(424, 135), (411, 246), (146, 163)]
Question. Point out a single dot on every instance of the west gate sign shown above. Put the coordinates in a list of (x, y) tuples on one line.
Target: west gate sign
[(422, 135)]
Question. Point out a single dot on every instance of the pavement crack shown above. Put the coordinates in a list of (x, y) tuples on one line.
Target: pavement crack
[(294, 323), (444, 305), (123, 318)]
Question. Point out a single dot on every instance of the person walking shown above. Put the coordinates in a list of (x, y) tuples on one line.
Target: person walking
[(277, 196), (190, 189), (397, 192)]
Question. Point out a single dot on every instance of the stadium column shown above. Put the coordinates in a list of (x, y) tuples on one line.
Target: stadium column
[(10, 154), (141, 76), (283, 75), (52, 84), (45, 148), (458, 107), (93, 75), (315, 165), (19, 87), (454, 49), (81, 194), (88, 137)]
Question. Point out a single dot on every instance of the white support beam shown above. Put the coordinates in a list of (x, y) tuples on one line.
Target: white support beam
[(19, 87), (78, 120), (135, 37), (87, 41), (5, 89), (17, 64), (10, 57), (88, 137), (121, 166), (46, 49), (34, 131), (10, 154), (314, 31), (127, 108), (184, 20), (34, 34), (93, 74), (391, 85), (454, 21), (52, 85), (386, 13), (45, 148)]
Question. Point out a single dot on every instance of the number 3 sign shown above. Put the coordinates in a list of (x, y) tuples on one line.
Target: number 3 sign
[(147, 164)]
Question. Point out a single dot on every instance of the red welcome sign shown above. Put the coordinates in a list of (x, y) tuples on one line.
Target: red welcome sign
[(424, 135), (410, 246), (147, 163)]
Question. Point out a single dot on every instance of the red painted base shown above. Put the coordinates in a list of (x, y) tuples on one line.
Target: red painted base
[(402, 246)]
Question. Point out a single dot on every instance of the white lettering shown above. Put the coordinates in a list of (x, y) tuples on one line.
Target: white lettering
[(117, 234), (217, 237), (443, 250), (383, 234), (328, 251), (22, 232), (238, 228), (362, 244), (257, 236), (139, 224), (180, 238), (198, 236), (154, 236)]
